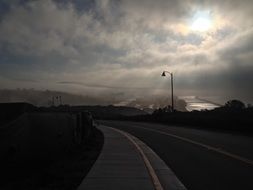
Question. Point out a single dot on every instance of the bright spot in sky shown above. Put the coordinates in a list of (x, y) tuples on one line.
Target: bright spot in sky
[(201, 21)]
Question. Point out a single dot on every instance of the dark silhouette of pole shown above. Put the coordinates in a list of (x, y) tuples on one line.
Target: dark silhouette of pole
[(60, 100), (172, 95)]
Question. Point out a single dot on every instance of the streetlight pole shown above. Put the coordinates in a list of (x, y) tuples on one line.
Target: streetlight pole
[(171, 80)]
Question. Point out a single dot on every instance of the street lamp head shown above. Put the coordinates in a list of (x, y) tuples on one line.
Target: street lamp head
[(163, 74)]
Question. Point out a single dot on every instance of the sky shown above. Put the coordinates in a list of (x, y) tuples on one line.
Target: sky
[(122, 46)]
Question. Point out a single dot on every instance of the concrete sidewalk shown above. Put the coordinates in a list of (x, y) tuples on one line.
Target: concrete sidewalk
[(127, 163)]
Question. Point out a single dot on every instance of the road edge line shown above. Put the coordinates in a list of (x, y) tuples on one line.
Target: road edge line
[(217, 150)]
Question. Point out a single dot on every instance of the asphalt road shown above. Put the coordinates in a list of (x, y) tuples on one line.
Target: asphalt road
[(201, 159)]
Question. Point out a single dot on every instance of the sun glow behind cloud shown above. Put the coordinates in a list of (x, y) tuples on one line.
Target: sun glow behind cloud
[(201, 21)]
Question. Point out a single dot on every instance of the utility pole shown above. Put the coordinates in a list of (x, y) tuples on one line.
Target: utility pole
[(60, 100)]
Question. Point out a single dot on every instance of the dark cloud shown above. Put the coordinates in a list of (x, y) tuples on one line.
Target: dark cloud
[(105, 86)]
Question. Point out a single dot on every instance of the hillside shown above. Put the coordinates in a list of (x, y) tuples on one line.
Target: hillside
[(48, 98)]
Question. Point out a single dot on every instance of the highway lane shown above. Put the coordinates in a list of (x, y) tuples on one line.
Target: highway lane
[(188, 152)]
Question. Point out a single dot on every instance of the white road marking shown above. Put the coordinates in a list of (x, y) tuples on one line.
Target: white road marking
[(219, 150)]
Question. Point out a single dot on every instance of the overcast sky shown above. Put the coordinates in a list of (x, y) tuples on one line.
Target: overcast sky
[(103, 46)]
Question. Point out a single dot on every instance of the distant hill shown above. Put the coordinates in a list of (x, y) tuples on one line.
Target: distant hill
[(49, 98), (10, 111), (110, 111), (98, 112)]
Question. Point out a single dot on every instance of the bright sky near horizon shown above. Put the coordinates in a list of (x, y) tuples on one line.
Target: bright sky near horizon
[(105, 46)]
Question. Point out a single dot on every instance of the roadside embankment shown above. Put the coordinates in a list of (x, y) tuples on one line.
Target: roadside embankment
[(37, 147)]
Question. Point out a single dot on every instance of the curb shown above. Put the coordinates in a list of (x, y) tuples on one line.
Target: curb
[(162, 176)]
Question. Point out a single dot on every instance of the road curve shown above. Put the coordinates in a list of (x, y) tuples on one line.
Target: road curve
[(201, 159)]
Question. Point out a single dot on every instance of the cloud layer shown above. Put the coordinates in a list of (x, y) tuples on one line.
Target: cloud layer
[(106, 44)]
